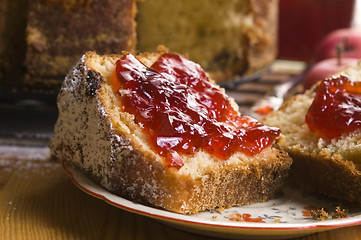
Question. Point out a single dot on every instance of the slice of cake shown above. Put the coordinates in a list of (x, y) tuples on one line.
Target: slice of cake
[(321, 132), (154, 129)]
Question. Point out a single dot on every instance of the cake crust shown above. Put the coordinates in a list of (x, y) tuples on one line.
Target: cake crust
[(334, 177), (89, 135)]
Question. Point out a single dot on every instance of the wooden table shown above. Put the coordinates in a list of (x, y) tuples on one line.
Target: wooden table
[(39, 201)]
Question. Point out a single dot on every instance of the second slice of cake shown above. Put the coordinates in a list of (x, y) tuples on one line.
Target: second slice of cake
[(322, 133)]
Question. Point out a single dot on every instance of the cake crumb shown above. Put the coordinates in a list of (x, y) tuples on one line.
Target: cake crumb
[(319, 214), (214, 217), (220, 209), (277, 220), (339, 213)]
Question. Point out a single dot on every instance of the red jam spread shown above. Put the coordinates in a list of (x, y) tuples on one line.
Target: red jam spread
[(336, 109), (182, 112)]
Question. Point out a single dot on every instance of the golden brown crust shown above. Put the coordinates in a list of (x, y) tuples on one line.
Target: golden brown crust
[(180, 193), (262, 40), (330, 176), (88, 135)]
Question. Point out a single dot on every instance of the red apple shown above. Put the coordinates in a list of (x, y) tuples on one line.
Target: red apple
[(326, 68), (348, 38)]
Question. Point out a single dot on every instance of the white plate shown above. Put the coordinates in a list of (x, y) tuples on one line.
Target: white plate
[(283, 217)]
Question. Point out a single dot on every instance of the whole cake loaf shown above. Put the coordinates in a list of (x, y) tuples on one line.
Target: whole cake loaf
[(155, 129), (226, 37), (321, 132)]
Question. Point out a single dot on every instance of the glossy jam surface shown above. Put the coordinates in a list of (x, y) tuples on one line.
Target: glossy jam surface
[(182, 112), (336, 109)]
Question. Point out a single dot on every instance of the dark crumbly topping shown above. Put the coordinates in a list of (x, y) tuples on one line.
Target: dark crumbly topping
[(319, 214), (340, 213)]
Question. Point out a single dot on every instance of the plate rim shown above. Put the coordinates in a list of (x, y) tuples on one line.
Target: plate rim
[(180, 219)]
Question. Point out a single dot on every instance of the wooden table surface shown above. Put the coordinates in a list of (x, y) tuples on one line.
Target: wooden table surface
[(39, 201)]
